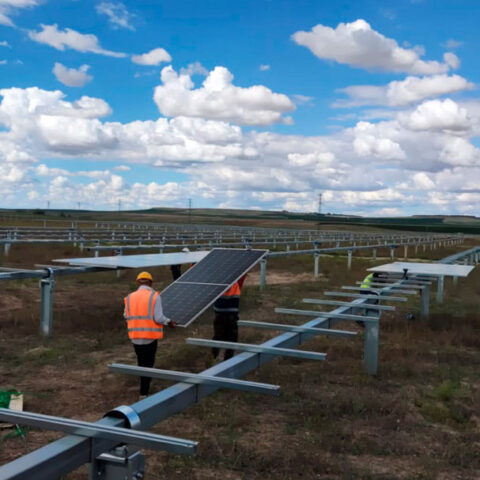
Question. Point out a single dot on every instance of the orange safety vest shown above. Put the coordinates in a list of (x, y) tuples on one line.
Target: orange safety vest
[(230, 300), (139, 308)]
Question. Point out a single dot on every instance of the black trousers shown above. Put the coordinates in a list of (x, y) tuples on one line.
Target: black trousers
[(225, 327), (145, 358)]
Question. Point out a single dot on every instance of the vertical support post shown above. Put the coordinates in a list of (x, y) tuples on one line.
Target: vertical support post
[(374, 254), (370, 347), (392, 252), (455, 281), (6, 248), (316, 257), (263, 273), (425, 301), (440, 284), (287, 247), (47, 286), (349, 261), (405, 251), (416, 248)]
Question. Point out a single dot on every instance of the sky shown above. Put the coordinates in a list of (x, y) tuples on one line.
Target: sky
[(261, 104)]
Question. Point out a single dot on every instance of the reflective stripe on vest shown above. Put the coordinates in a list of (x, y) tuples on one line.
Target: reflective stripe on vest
[(139, 314), (229, 301), (367, 281)]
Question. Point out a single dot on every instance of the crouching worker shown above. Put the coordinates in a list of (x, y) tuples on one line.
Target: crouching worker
[(366, 286), (226, 309), (145, 321)]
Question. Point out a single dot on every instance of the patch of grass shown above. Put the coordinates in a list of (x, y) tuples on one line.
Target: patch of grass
[(447, 403)]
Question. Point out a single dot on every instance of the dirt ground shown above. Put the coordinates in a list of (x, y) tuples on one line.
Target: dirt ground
[(419, 418)]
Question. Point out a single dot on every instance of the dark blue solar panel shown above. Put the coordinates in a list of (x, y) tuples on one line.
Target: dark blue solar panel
[(197, 289)]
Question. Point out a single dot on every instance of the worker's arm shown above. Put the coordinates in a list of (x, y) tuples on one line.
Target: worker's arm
[(159, 316)]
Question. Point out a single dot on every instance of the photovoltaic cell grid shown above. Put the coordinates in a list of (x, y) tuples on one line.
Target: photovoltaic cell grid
[(197, 289)]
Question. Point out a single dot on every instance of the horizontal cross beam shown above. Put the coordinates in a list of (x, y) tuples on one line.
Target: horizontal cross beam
[(348, 304), (248, 347), (366, 296), (297, 328), (95, 431), (359, 289), (326, 315), (196, 378)]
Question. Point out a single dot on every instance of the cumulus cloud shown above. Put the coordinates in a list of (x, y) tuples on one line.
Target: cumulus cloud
[(195, 68), (404, 92), (264, 68), (117, 14), (70, 76), (68, 38), (153, 57), (3, 62), (219, 99), (437, 115), (7, 7), (451, 44), (358, 45), (364, 169), (4, 43)]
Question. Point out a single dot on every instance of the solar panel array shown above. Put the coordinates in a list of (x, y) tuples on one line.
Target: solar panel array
[(197, 289)]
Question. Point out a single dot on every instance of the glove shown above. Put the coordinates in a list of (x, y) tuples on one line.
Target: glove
[(172, 324)]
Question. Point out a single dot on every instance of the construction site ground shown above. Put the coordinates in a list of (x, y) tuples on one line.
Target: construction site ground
[(419, 418)]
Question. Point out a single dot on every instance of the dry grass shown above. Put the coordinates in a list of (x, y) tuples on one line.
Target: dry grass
[(418, 419)]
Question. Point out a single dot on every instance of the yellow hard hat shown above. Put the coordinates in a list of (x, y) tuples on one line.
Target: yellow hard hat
[(144, 276)]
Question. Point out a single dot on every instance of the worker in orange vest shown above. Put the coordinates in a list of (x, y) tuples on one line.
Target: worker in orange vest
[(145, 320), (226, 309)]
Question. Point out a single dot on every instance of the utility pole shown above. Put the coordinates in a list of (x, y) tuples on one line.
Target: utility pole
[(119, 204), (319, 203), (189, 210)]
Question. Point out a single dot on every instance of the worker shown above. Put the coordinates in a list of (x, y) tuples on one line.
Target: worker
[(365, 286), (225, 326), (177, 269), (145, 320)]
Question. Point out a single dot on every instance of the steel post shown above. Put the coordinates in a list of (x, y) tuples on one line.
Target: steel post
[(370, 347), (263, 273), (6, 248), (392, 252), (405, 251), (349, 260), (440, 284), (374, 254), (425, 301), (47, 286), (316, 257)]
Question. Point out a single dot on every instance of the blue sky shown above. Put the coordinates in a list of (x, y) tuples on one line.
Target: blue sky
[(248, 104)]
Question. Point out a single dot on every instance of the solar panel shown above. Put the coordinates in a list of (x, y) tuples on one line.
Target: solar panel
[(184, 300), (424, 269), (137, 261)]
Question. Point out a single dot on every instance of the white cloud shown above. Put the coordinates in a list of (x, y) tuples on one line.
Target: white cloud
[(219, 99), (7, 7), (437, 115), (153, 57), (70, 76), (264, 68), (370, 168), (4, 43), (117, 14), (68, 38), (3, 62), (404, 92), (369, 141), (302, 99), (358, 45), (451, 44), (195, 68)]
